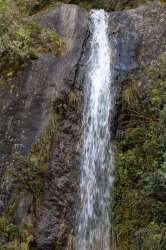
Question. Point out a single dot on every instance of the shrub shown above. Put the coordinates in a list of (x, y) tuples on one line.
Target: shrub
[(139, 194), (22, 38)]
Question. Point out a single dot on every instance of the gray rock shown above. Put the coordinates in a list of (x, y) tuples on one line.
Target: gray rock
[(25, 113)]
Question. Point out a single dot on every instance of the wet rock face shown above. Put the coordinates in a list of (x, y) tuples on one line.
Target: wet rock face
[(137, 39)]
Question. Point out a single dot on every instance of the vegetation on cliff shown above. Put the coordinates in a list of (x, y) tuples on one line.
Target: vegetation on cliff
[(27, 176), (22, 38), (139, 220), (111, 5)]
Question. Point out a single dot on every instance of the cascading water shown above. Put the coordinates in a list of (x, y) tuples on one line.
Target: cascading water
[(97, 156)]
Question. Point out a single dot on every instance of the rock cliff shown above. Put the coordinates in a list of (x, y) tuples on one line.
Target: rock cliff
[(44, 102)]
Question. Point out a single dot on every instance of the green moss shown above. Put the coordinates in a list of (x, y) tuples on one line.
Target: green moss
[(139, 195)]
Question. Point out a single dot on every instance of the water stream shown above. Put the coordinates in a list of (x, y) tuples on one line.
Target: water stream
[(97, 155)]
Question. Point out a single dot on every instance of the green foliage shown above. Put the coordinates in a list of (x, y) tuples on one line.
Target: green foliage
[(110, 5), (151, 237), (32, 6), (139, 195), (28, 175), (12, 237), (18, 238), (89, 4), (22, 38), (85, 4), (14, 231)]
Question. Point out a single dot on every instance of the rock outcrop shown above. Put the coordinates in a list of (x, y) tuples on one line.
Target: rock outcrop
[(56, 85), (26, 108)]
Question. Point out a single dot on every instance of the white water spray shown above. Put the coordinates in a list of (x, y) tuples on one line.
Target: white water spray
[(97, 156)]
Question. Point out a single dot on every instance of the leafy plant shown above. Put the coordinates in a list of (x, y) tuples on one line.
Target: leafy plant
[(139, 195)]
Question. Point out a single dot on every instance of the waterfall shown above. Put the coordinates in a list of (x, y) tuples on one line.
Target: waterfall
[(97, 156)]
